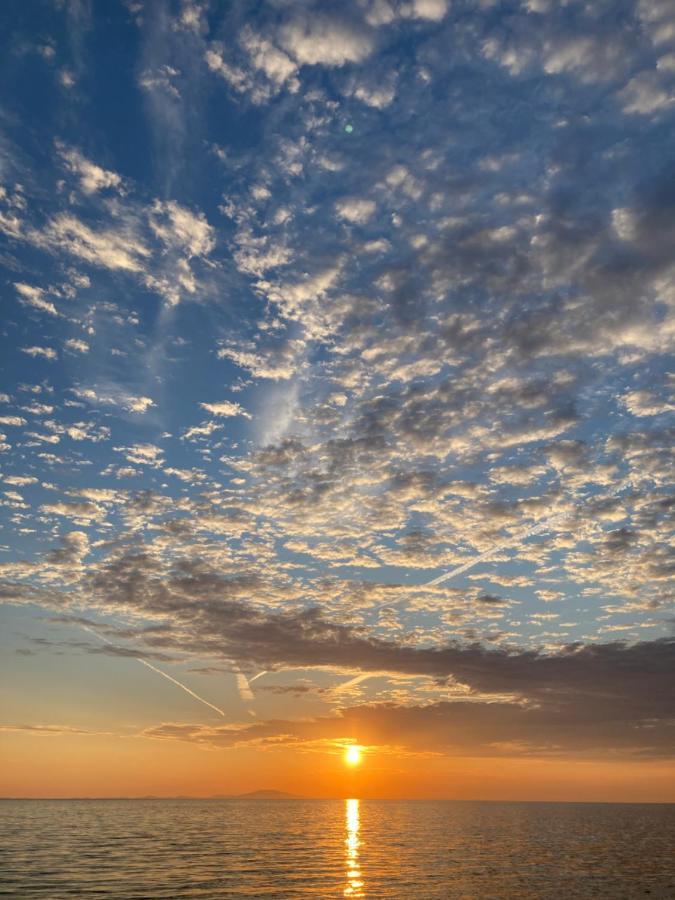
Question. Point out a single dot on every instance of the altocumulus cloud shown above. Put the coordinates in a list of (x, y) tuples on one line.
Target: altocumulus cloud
[(406, 296)]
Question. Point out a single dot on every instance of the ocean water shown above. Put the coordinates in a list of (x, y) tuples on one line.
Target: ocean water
[(313, 848)]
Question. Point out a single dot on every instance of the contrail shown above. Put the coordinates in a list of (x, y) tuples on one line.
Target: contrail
[(470, 563), (166, 675), (509, 542), (259, 675), (180, 685), (245, 691), (503, 545)]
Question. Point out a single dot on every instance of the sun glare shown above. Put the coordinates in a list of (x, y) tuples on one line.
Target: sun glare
[(353, 755)]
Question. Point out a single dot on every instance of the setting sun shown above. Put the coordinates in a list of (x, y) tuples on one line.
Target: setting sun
[(353, 755)]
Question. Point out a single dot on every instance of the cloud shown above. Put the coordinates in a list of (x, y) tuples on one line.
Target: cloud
[(276, 64), (433, 10), (446, 289), (92, 177), (109, 248), (44, 352), (628, 681), (178, 227), (34, 296), (455, 728), (160, 79), (225, 408), (185, 235), (84, 511), (378, 95), (279, 364), (644, 403), (113, 396), (142, 454), (202, 431), (322, 40), (646, 94), (51, 730), (355, 210), (15, 421), (77, 345), (235, 76)]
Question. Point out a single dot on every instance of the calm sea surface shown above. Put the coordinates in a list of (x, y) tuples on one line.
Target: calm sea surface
[(368, 848)]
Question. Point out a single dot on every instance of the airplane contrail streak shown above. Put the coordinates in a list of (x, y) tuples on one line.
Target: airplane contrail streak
[(166, 675), (243, 687), (259, 675), (470, 563), (181, 685)]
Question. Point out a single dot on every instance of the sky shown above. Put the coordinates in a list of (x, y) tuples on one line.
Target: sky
[(337, 397)]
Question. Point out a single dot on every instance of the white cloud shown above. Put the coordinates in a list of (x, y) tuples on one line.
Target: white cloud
[(204, 430), (296, 300), (645, 94), (237, 78), (45, 352), (142, 454), (378, 96), (126, 472), (355, 210), (225, 408), (114, 397), (34, 296), (186, 475), (86, 431), (256, 364), (276, 64), (644, 403), (178, 227), (160, 79), (12, 420), (77, 345), (138, 404), (66, 79), (582, 55), (119, 248), (93, 178), (185, 235), (379, 12), (75, 510), (433, 10), (321, 40), (190, 19)]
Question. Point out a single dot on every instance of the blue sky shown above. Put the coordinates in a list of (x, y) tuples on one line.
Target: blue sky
[(305, 304)]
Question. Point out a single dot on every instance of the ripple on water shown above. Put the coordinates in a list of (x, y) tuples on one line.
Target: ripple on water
[(391, 849)]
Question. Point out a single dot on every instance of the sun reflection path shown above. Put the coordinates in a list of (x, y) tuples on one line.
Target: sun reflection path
[(354, 885)]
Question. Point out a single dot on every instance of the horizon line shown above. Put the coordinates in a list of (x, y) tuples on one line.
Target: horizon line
[(298, 797)]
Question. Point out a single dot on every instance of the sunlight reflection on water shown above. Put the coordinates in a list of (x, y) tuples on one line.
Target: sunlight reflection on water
[(354, 886)]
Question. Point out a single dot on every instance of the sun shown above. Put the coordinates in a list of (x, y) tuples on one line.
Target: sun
[(353, 755)]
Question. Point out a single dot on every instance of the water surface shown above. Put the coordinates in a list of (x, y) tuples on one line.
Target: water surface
[(313, 848)]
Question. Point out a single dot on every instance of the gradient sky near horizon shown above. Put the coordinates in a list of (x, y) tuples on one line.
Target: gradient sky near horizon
[(305, 304)]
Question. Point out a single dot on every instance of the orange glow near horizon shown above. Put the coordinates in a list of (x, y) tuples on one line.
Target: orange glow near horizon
[(353, 755), (111, 765)]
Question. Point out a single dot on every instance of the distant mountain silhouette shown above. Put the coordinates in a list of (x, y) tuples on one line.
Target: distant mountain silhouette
[(263, 795)]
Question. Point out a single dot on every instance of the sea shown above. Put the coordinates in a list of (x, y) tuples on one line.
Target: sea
[(177, 848)]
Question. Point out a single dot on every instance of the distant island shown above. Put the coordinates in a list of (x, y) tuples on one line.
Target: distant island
[(260, 795)]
